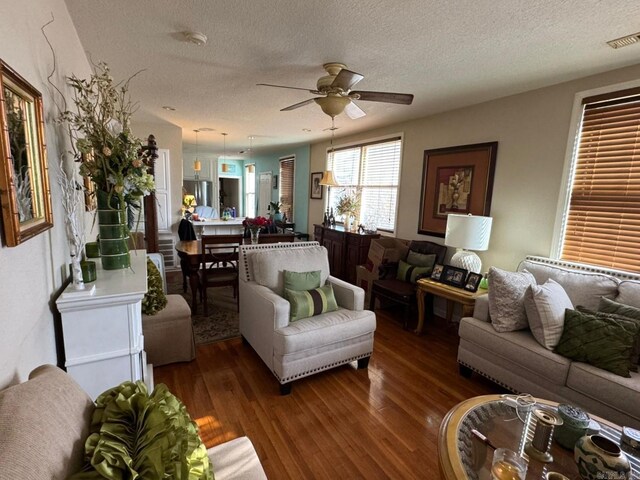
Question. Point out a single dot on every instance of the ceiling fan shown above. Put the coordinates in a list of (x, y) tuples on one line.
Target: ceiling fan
[(338, 96)]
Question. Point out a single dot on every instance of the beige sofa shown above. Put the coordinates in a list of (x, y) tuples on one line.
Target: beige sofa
[(45, 421), (310, 345), (518, 362)]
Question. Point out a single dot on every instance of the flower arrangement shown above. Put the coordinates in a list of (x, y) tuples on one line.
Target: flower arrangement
[(348, 204), (256, 223), (110, 155)]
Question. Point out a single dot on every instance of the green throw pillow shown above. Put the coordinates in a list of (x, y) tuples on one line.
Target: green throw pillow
[(603, 341), (137, 435), (421, 259), (607, 306), (411, 273), (301, 280), (155, 299), (309, 303)]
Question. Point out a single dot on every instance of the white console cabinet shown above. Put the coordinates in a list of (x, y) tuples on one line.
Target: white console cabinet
[(102, 332)]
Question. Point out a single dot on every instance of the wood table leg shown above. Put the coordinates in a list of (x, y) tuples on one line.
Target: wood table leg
[(449, 311), (194, 281), (420, 297)]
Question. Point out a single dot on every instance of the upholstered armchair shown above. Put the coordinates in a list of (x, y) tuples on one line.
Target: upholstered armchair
[(293, 350)]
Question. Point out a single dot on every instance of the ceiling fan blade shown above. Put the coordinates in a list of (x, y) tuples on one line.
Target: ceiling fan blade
[(346, 79), (284, 86), (387, 97), (353, 111), (297, 105)]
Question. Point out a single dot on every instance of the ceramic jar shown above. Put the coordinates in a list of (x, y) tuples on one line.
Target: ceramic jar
[(598, 457), (574, 426)]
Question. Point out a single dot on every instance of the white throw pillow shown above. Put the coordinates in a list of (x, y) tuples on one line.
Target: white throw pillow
[(545, 306), (506, 299)]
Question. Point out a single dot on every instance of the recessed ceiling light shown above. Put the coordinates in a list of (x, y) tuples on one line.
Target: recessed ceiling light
[(306, 129), (167, 107), (206, 129), (197, 38), (624, 41)]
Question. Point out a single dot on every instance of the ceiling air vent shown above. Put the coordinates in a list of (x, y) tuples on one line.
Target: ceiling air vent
[(624, 41)]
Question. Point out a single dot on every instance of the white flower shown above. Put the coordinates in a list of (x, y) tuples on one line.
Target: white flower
[(114, 127)]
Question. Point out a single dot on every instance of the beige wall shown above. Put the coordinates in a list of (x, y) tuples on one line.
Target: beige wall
[(167, 136), (532, 130), (31, 273)]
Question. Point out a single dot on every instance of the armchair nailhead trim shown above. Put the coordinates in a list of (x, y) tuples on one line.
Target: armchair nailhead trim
[(245, 249), (585, 268), (320, 369)]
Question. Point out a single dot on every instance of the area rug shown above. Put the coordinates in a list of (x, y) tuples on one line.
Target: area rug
[(222, 321)]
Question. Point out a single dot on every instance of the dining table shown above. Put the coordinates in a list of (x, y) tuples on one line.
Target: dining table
[(190, 252)]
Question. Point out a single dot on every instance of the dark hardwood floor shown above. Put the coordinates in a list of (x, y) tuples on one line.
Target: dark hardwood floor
[(340, 424)]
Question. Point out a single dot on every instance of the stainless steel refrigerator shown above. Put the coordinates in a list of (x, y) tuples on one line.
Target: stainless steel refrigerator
[(203, 191)]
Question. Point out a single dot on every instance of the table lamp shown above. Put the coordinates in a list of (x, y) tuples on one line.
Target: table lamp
[(467, 232)]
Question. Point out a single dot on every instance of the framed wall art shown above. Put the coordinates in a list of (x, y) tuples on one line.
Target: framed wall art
[(316, 188), (24, 178), (455, 180)]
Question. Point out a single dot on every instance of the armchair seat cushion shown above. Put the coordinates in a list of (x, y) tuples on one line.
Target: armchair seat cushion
[(325, 329), (395, 287)]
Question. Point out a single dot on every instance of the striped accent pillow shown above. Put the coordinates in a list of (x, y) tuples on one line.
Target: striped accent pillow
[(309, 303), (411, 273)]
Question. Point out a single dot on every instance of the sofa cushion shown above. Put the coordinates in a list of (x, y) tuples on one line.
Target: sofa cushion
[(629, 293), (603, 340), (545, 306), (324, 329), (308, 303), (613, 390), (268, 266), (506, 299), (516, 347), (43, 423), (583, 288)]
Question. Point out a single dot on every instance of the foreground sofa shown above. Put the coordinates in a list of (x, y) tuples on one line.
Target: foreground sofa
[(309, 345), (44, 423), (518, 362)]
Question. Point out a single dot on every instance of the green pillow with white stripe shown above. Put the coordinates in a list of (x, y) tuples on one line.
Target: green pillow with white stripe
[(411, 273), (309, 303)]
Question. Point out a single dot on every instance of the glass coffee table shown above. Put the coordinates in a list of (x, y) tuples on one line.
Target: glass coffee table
[(463, 456)]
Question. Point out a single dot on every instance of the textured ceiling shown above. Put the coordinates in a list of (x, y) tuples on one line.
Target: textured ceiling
[(447, 53)]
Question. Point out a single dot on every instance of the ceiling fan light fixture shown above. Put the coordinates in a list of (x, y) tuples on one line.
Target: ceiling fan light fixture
[(197, 38), (332, 105)]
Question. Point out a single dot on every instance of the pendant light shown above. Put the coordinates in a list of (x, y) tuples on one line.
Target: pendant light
[(197, 165), (327, 176), (225, 167)]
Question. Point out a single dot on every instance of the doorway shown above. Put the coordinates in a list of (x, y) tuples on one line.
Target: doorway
[(230, 193)]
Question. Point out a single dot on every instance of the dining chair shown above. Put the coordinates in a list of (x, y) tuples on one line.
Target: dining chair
[(276, 237), (219, 264)]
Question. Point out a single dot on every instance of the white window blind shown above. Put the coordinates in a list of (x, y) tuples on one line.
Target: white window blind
[(250, 190), (371, 170), (286, 187), (602, 225)]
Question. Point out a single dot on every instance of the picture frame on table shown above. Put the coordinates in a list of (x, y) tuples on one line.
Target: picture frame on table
[(436, 273), (473, 282), (454, 276), (315, 188), (455, 180)]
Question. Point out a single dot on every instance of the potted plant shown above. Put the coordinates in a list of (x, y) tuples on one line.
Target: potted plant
[(275, 211)]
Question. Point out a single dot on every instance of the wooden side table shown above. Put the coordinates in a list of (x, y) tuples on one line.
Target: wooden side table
[(451, 294)]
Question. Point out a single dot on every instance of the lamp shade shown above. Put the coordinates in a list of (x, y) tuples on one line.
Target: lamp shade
[(328, 179), (470, 232), (197, 165)]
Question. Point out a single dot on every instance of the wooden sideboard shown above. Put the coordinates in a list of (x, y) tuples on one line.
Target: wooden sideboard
[(346, 249)]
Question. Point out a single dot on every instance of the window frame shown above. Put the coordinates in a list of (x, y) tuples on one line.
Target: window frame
[(573, 143), (291, 157), (363, 143)]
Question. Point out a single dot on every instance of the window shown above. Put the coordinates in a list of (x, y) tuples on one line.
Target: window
[(372, 172), (602, 224), (250, 190), (286, 187)]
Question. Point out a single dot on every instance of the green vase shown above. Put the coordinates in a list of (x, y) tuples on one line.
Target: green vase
[(114, 234)]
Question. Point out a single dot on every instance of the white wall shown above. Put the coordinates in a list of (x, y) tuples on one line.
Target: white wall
[(532, 130), (31, 273), (167, 136)]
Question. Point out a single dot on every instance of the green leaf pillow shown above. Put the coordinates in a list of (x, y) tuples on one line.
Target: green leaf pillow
[(607, 306), (603, 341), (411, 273), (137, 435), (309, 303), (155, 299), (301, 280)]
